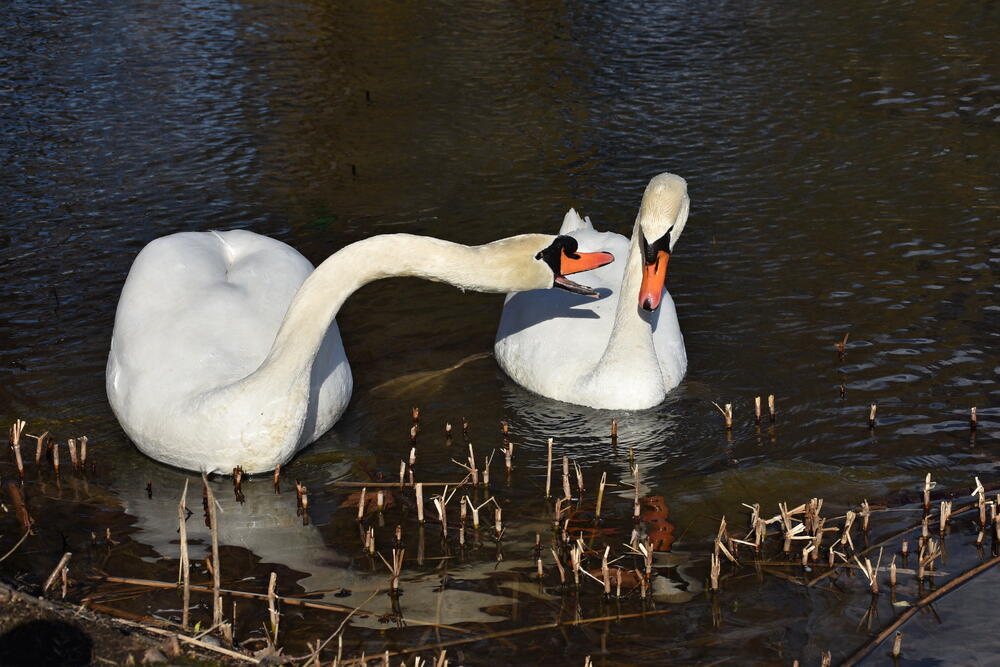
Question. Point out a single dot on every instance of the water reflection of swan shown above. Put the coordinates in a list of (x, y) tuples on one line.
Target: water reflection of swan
[(627, 351), (225, 352), (330, 558), (653, 434), (267, 525)]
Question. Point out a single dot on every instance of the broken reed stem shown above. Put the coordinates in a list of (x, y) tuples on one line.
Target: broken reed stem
[(472, 466), (842, 345), (15, 444), (184, 574), (566, 490), (756, 409), (277, 478), (727, 412), (897, 644), (83, 451), (56, 573), (562, 570), (420, 501), (71, 446), (361, 503), (928, 485), (55, 457), (39, 444), (871, 415), (636, 509), (973, 423), (216, 565), (548, 473), (772, 412), (600, 494), (272, 606), (945, 515), (605, 572)]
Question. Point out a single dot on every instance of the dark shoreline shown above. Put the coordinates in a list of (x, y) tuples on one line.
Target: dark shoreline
[(39, 632)]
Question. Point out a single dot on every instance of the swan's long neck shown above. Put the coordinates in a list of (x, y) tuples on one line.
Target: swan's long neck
[(631, 343), (494, 267)]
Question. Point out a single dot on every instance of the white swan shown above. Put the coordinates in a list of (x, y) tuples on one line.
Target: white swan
[(225, 351), (627, 351)]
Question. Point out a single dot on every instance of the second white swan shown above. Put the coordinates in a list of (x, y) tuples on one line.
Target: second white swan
[(627, 351)]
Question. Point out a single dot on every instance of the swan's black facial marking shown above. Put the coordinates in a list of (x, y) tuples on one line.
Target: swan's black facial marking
[(553, 254), (649, 250)]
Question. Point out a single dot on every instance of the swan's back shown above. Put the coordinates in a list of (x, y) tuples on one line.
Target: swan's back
[(198, 310)]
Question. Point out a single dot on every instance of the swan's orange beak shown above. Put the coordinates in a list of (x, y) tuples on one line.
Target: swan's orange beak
[(653, 277), (575, 263), (583, 261)]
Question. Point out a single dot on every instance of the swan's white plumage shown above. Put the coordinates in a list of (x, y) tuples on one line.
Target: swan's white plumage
[(603, 353), (199, 311), (225, 351)]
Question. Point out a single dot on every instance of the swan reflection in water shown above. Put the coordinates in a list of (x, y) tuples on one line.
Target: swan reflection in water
[(331, 559)]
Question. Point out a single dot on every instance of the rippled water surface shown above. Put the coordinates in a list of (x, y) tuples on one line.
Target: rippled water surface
[(842, 163)]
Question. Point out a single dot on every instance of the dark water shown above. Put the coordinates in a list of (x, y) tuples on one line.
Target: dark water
[(843, 167)]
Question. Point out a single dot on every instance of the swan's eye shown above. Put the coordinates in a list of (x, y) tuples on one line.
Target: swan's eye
[(553, 254), (649, 251)]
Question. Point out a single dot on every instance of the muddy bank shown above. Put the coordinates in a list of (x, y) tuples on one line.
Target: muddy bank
[(39, 633)]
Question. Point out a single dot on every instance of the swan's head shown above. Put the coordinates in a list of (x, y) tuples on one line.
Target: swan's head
[(662, 216), (539, 261)]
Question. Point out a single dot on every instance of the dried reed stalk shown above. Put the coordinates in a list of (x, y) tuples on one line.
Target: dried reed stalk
[(73, 460), (184, 573), (508, 454), (216, 565), (419, 487), (600, 494), (57, 572), (272, 606), (548, 473), (15, 444), (727, 412)]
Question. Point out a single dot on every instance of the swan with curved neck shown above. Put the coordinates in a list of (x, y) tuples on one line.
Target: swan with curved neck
[(628, 351), (225, 351)]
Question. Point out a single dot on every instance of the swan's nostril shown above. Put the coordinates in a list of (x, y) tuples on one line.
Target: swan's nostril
[(647, 305)]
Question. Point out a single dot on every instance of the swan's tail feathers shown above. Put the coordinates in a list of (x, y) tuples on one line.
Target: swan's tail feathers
[(573, 222), (410, 381)]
